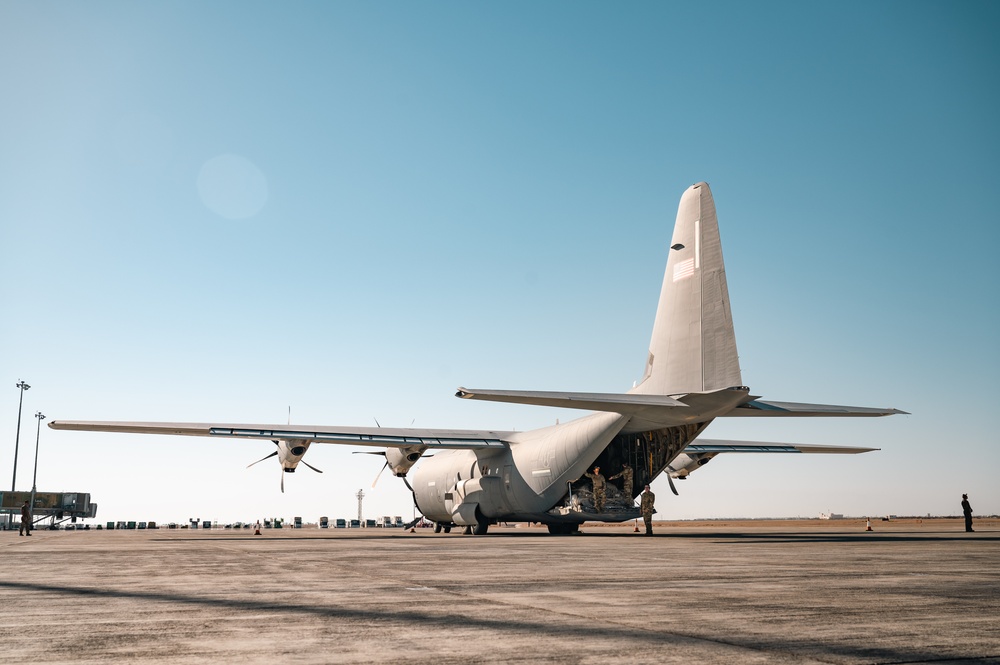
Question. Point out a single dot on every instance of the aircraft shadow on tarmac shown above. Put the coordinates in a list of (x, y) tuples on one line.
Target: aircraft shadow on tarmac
[(581, 627), (747, 537)]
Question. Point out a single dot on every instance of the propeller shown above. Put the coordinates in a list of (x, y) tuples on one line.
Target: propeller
[(369, 452), (671, 481), (266, 456), (274, 454), (379, 474)]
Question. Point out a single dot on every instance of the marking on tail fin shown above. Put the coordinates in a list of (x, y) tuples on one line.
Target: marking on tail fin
[(683, 270)]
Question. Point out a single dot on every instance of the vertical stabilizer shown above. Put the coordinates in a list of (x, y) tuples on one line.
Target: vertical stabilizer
[(693, 348)]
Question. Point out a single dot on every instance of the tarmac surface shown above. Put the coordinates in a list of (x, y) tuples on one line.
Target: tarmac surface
[(758, 592)]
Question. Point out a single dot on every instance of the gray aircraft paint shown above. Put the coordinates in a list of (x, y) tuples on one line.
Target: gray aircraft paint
[(477, 477)]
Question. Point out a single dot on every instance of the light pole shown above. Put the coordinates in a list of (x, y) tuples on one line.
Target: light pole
[(22, 386), (17, 437), (34, 477)]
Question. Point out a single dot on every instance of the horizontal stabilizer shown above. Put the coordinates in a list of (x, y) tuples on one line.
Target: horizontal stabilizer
[(761, 409), (701, 446), (611, 402), (359, 436)]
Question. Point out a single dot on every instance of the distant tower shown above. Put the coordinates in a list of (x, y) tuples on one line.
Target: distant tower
[(361, 496)]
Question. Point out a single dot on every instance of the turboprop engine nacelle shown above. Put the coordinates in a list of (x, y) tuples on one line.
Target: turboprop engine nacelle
[(400, 460), (682, 465), (290, 453)]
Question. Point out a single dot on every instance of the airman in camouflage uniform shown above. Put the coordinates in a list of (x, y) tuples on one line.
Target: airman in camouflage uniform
[(25, 520), (646, 507), (599, 487), (626, 475)]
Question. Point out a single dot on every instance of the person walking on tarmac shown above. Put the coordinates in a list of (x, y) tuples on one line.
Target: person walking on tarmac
[(967, 511), (25, 520), (646, 508)]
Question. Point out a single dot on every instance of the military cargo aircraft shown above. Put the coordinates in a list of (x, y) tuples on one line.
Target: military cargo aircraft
[(476, 478)]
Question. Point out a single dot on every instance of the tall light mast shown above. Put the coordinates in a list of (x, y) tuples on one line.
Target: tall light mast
[(361, 496)]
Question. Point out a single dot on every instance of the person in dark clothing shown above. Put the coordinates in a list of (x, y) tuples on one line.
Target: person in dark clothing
[(25, 520), (967, 511), (646, 507)]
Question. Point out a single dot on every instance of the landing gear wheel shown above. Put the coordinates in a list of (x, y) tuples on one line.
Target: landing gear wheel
[(563, 529), (467, 531), (447, 529), (482, 526), (437, 527)]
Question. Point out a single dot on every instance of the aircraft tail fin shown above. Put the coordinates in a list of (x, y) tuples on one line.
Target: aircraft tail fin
[(693, 347)]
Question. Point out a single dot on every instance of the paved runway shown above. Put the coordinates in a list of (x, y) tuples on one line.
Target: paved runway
[(705, 594)]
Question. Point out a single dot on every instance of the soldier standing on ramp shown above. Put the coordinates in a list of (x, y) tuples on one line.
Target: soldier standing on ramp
[(626, 475), (599, 486), (646, 507)]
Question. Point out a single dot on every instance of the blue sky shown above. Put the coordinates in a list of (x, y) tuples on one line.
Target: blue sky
[(220, 211)]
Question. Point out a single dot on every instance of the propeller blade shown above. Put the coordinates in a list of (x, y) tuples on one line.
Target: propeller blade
[(282, 481), (672, 488), (379, 474), (311, 466), (263, 458)]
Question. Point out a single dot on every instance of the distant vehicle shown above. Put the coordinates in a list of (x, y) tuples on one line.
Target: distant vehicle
[(111, 526), (341, 523), (149, 525), (355, 524), (206, 524), (172, 525), (370, 524), (142, 525), (297, 523), (130, 525), (398, 521)]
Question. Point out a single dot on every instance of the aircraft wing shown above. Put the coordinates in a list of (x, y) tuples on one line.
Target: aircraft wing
[(716, 446), (760, 408), (359, 436)]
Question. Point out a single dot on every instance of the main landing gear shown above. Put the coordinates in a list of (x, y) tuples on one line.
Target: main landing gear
[(480, 528), (564, 529)]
